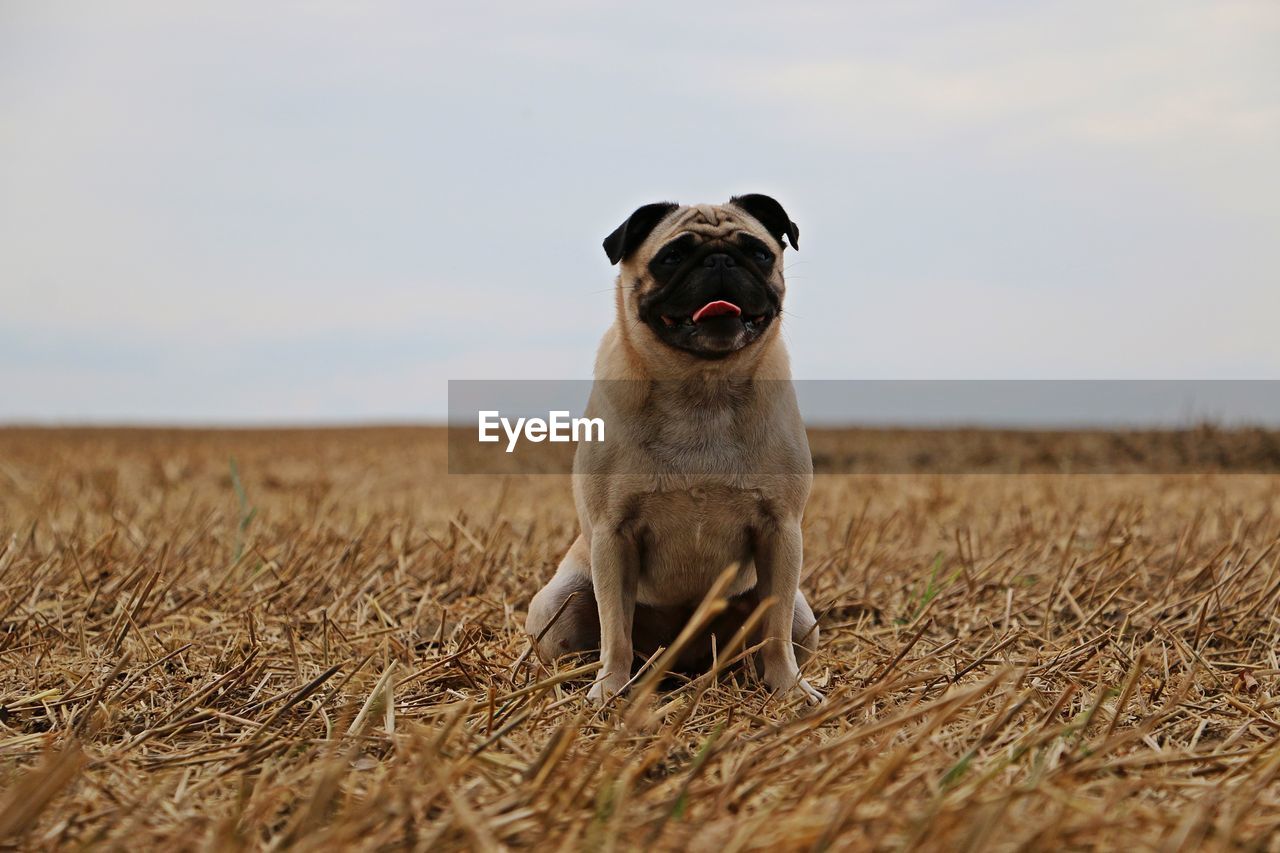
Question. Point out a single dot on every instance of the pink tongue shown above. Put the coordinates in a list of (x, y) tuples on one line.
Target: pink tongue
[(716, 309)]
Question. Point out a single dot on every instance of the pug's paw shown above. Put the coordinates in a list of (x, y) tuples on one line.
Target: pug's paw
[(607, 686), (810, 693), (790, 685)]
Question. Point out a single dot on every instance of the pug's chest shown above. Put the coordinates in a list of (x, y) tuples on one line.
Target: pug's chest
[(697, 448), (686, 538)]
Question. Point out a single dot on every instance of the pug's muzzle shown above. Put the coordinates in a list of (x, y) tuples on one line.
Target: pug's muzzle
[(713, 299)]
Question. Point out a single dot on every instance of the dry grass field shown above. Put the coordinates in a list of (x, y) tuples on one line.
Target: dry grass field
[(312, 639)]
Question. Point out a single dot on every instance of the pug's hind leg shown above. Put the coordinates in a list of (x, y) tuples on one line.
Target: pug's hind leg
[(576, 627)]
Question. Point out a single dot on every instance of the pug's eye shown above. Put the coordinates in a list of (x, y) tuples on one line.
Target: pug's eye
[(672, 257), (762, 255)]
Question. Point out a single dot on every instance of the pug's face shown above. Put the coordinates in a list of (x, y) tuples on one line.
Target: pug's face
[(704, 281)]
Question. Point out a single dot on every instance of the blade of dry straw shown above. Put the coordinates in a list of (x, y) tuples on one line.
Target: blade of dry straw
[(33, 791), (382, 687)]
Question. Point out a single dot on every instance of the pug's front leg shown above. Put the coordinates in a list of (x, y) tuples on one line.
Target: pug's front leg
[(614, 578), (779, 554)]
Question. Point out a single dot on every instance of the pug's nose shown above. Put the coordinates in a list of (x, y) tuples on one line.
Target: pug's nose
[(719, 260)]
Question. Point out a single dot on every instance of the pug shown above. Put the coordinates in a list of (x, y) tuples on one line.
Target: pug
[(706, 463)]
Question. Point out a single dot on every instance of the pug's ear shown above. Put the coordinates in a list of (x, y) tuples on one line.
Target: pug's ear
[(770, 214), (628, 236)]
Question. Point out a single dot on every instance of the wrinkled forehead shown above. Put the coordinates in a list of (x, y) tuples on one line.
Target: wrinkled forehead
[(707, 222)]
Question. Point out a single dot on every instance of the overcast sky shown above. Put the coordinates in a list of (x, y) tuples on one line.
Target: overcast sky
[(248, 212)]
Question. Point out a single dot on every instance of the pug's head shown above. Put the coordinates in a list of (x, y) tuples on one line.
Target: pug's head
[(703, 281)]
